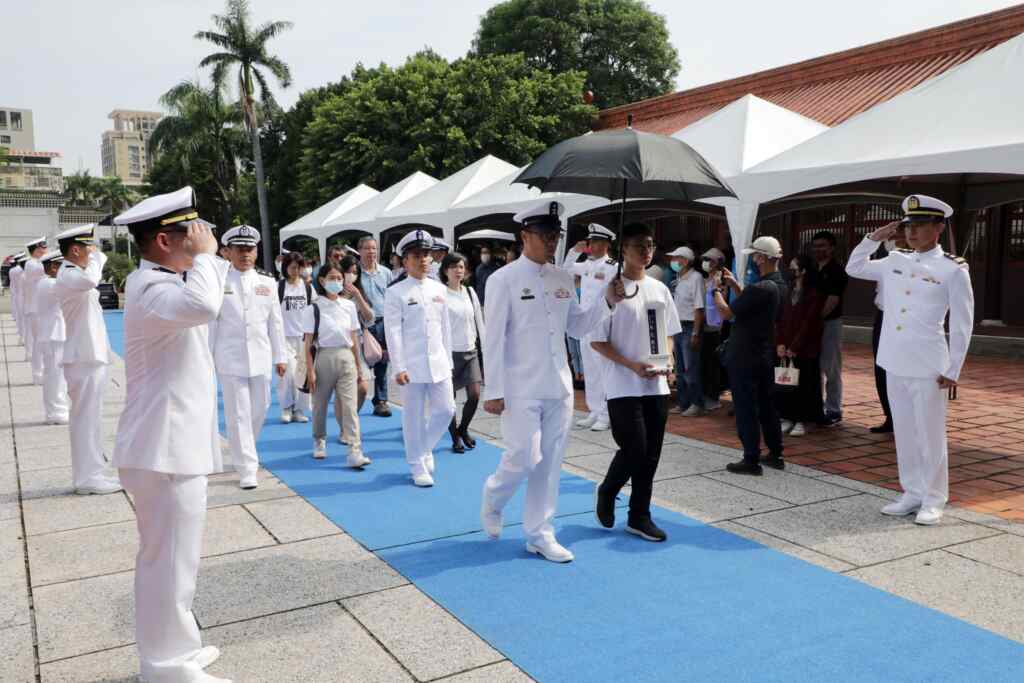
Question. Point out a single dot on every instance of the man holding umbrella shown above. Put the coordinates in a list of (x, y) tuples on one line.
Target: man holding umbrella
[(530, 306)]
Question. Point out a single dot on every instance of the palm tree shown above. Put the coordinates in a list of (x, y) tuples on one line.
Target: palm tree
[(201, 127), (82, 188), (114, 195), (245, 47)]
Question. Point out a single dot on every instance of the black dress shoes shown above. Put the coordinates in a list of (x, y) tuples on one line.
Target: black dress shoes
[(744, 467), (884, 428)]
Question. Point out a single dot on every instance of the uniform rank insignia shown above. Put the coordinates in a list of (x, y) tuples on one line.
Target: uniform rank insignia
[(527, 294), (598, 276), (412, 302), (898, 272), (562, 293), (929, 278), (228, 290), (263, 290)]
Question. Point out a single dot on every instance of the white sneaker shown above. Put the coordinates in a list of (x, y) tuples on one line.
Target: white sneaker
[(599, 426), (341, 440), (693, 411), (423, 479), (100, 488), (902, 507), (357, 459), (586, 422), (207, 656), (928, 516), (286, 416), (248, 482), (298, 416), (490, 519), (786, 426), (319, 448), (798, 430), (551, 551), (57, 421)]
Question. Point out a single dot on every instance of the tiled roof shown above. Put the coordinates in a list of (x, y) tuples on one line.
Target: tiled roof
[(833, 88)]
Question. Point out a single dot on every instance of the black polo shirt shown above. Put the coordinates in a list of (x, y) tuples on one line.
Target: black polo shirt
[(755, 310), (833, 283)]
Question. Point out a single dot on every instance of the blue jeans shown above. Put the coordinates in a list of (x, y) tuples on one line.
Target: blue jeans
[(688, 384), (380, 370), (575, 355)]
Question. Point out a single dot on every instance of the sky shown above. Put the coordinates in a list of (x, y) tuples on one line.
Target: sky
[(74, 61)]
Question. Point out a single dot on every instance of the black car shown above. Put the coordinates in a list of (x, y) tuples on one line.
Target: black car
[(108, 295)]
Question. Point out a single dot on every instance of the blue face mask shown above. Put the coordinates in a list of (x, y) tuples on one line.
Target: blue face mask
[(676, 266)]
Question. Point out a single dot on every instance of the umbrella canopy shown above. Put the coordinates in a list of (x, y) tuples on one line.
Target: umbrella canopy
[(622, 164), (488, 234)]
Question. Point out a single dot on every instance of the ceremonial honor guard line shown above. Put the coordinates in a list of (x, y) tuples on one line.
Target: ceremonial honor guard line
[(414, 591)]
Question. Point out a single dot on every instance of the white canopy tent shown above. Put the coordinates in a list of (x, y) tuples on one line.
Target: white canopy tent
[(964, 121), (738, 137), (487, 234), (309, 225)]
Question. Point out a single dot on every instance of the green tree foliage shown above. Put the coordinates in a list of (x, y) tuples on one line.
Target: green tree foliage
[(117, 269), (621, 45), (108, 192), (437, 117)]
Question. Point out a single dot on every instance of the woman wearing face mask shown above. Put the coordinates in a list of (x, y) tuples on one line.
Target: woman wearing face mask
[(331, 326), (353, 291), (798, 338), (295, 295), (467, 322), (711, 335)]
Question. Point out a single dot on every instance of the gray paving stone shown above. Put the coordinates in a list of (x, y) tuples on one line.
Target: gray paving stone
[(862, 486), (14, 609), (791, 488), (255, 583), (604, 438), (119, 665), (985, 596), (709, 501), (17, 659), (55, 481), (223, 490), (1005, 552), (292, 519), (415, 629), (12, 552), (853, 530), (111, 548), (764, 539), (676, 461), (43, 457), (60, 513), (502, 672), (77, 617), (577, 447)]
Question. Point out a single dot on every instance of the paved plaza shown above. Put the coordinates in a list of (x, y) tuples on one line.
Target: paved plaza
[(290, 596)]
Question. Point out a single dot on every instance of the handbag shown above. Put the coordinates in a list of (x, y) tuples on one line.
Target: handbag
[(372, 351), (475, 304), (787, 375), (312, 347)]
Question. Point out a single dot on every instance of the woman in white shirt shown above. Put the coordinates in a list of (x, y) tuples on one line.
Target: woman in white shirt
[(331, 327), (295, 295), (467, 322), (353, 292)]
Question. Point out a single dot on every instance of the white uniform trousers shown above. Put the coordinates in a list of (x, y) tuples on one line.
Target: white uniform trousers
[(246, 400), (919, 421), (426, 411), (86, 384), (288, 394), (594, 377), (535, 433), (170, 511), (55, 389), (33, 355)]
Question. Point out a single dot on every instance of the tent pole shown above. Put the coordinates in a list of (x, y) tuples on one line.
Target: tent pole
[(622, 231)]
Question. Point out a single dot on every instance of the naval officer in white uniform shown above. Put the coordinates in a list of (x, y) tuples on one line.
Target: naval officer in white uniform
[(50, 336), (595, 273), (33, 274), (920, 285), (248, 345), (86, 356), (419, 337), (530, 306), (14, 276), (167, 441)]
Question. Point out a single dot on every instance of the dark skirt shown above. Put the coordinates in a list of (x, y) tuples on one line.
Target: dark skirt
[(466, 369), (804, 402)]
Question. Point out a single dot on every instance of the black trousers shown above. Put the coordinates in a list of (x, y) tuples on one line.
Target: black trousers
[(753, 398), (804, 402), (638, 426), (880, 385)]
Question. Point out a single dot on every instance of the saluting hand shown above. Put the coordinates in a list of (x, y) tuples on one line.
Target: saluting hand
[(495, 406), (199, 239), (885, 232)]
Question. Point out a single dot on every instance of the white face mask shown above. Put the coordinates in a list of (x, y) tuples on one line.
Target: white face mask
[(706, 263), (485, 258), (333, 286), (350, 278)]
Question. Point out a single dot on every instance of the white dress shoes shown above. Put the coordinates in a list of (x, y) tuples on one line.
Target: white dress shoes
[(586, 422), (902, 507), (357, 459), (286, 416), (928, 516), (423, 479), (100, 488), (599, 426), (551, 551), (207, 656), (248, 482)]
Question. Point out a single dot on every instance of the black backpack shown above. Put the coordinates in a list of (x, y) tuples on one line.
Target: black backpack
[(280, 292)]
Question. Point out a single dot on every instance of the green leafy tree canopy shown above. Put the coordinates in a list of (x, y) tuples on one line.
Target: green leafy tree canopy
[(621, 45)]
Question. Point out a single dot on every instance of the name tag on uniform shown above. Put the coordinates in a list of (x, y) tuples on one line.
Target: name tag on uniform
[(412, 302), (263, 290), (562, 293), (898, 272), (228, 290), (527, 295), (598, 276)]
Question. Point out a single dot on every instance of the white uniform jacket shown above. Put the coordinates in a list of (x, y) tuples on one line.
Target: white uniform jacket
[(33, 274), (418, 331), (594, 274), (248, 336), (49, 319), (14, 277), (79, 300), (918, 289), (169, 423), (529, 309)]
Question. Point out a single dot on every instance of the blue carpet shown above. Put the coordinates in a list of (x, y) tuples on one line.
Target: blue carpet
[(706, 606)]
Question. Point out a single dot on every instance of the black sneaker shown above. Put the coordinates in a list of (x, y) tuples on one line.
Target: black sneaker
[(744, 467), (646, 529), (831, 420), (884, 428), (774, 461), (604, 508), (381, 410)]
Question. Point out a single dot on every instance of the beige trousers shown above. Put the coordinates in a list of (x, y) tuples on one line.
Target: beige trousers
[(336, 373)]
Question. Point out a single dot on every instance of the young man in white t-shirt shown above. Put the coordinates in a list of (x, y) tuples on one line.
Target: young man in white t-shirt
[(637, 388)]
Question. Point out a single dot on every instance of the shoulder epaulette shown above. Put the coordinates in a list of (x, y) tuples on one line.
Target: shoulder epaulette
[(960, 261)]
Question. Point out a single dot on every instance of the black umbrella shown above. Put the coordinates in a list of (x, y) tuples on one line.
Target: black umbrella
[(623, 164)]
